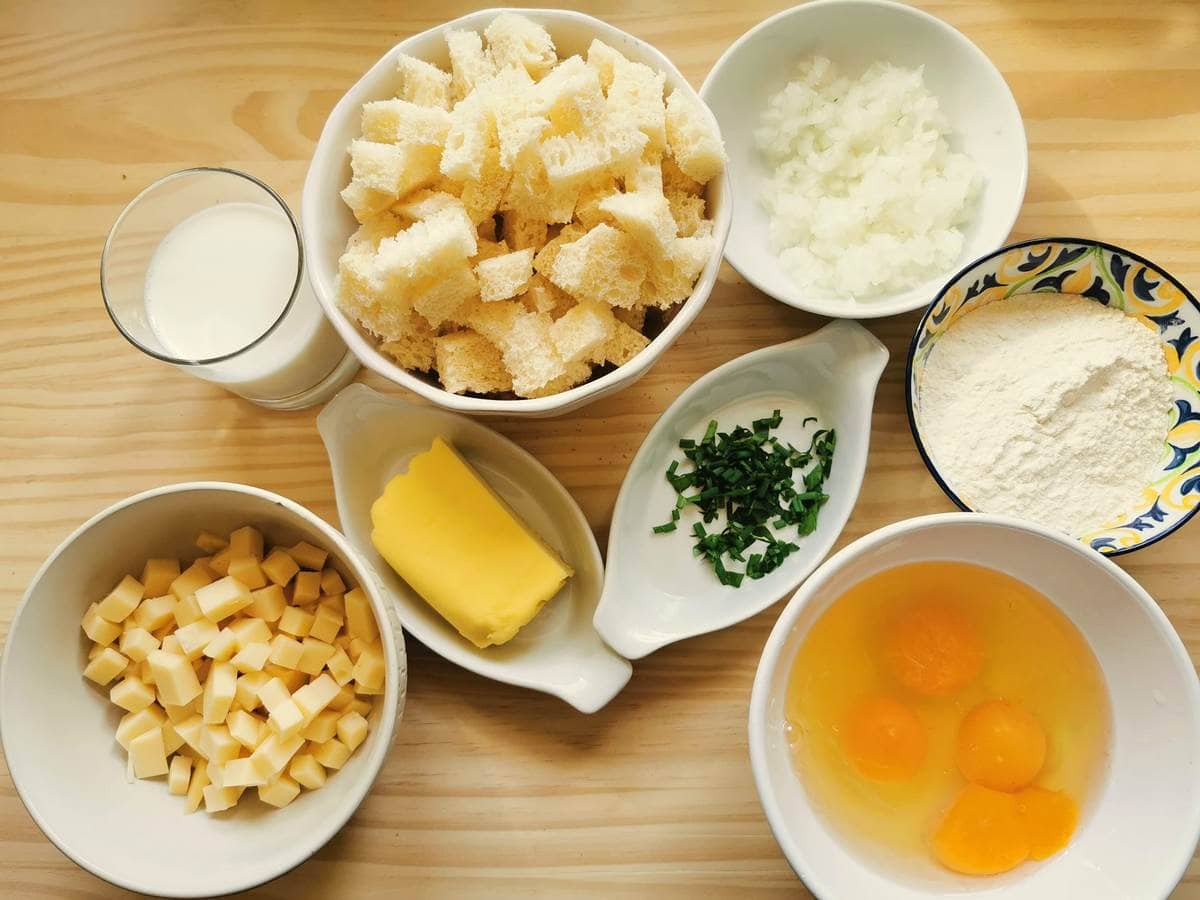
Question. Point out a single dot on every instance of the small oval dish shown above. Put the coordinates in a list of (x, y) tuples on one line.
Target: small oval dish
[(370, 438), (1116, 278), (984, 120), (656, 592)]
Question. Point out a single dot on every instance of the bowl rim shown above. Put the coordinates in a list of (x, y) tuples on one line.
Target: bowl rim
[(770, 661), (314, 187), (396, 685), (914, 343), (881, 306)]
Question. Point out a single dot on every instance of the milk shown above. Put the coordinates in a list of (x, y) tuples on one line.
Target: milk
[(218, 281)]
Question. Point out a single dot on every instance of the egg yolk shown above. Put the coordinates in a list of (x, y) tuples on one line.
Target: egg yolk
[(884, 739), (982, 833), (1050, 818), (1000, 746), (933, 649)]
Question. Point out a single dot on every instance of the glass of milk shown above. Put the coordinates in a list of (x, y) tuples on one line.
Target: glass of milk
[(205, 270)]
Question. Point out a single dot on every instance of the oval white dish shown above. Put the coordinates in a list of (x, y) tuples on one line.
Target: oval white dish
[(656, 592), (371, 437)]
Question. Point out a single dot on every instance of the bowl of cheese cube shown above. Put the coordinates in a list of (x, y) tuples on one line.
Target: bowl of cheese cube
[(516, 212), (199, 689)]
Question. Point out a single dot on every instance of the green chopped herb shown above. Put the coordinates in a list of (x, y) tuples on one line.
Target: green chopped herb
[(747, 475)]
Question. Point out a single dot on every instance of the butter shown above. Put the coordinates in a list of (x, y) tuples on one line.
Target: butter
[(461, 548)]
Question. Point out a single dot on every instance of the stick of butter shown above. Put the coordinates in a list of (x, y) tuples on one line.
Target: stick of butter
[(460, 547)]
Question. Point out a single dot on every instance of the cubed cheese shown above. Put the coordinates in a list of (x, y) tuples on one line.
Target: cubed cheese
[(219, 799), (136, 723), (98, 628), (327, 622), (199, 782), (245, 728), (286, 651), (223, 646), (191, 730), (195, 637), (313, 654), (308, 556), (223, 598), (196, 576), (219, 691), (250, 631), (148, 755), (315, 696), (247, 570), (246, 541), (187, 611), (172, 739), (211, 543), (174, 677), (280, 567), (306, 588), (251, 658), (332, 754), (122, 600), (179, 774), (137, 642), (296, 621), (352, 730), (332, 583), (322, 727), (340, 666), (369, 669), (307, 771), (275, 752), (154, 612), (360, 619), (106, 666), (247, 689), (241, 773), (157, 576), (279, 792), (267, 603), (132, 694), (217, 745)]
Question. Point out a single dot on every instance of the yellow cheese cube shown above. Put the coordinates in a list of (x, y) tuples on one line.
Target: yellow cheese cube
[(195, 637), (251, 658), (308, 556), (322, 726), (332, 583), (246, 541), (241, 773), (247, 689), (197, 785), (296, 621), (223, 646), (274, 753), (446, 533), (327, 622), (170, 644), (315, 696), (246, 570), (137, 723), (157, 576), (313, 654), (286, 719), (155, 612), (220, 799), (332, 754), (267, 603), (211, 543), (217, 745), (196, 576), (352, 730), (360, 620), (286, 651), (187, 611), (172, 739), (223, 598), (280, 567), (273, 693), (291, 678), (250, 631), (137, 642), (122, 600), (340, 667), (106, 666), (179, 774), (174, 677), (132, 694), (177, 714), (279, 792), (148, 754), (245, 728), (345, 696), (191, 730), (218, 564), (219, 691), (306, 771), (98, 628), (369, 670), (360, 706), (306, 588)]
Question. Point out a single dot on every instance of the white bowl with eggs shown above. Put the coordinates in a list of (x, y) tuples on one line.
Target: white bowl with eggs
[(57, 729), (1137, 833), (984, 121), (327, 222)]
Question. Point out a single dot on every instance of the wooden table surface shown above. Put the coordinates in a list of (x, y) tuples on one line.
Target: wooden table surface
[(490, 790)]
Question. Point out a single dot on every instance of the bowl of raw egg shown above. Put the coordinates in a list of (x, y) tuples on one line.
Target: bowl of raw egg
[(967, 702)]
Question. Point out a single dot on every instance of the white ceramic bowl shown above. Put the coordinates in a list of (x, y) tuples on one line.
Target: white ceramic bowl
[(58, 730), (1142, 827), (327, 223), (854, 33)]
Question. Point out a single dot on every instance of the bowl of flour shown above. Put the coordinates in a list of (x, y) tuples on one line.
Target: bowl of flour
[(1058, 380)]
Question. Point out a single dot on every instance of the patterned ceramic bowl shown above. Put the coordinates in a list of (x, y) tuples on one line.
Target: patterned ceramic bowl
[(1116, 278)]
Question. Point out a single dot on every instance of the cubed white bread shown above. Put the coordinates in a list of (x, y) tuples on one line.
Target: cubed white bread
[(546, 297), (365, 202), (582, 330), (692, 134), (394, 169), (471, 132), (430, 247), (645, 174), (676, 181), (573, 374), (543, 260), (645, 217), (494, 321), (604, 265), (414, 347), (521, 231), (529, 354), (467, 362), (516, 41), (439, 297), (517, 135), (489, 249), (639, 89), (673, 276), (624, 345), (481, 196), (587, 209), (505, 276), (384, 313), (604, 60), (570, 96), (688, 212), (573, 159), (534, 193), (622, 137), (401, 122), (635, 318), (470, 64), (421, 205), (422, 83)]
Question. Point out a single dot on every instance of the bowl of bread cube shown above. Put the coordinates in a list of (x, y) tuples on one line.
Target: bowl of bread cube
[(199, 689), (516, 212)]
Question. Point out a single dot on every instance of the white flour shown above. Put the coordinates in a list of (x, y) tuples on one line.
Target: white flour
[(1051, 408)]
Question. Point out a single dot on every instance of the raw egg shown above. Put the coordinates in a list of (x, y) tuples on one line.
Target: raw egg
[(1000, 746), (885, 739)]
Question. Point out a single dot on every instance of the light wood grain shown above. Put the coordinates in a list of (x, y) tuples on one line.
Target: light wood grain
[(490, 790)]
